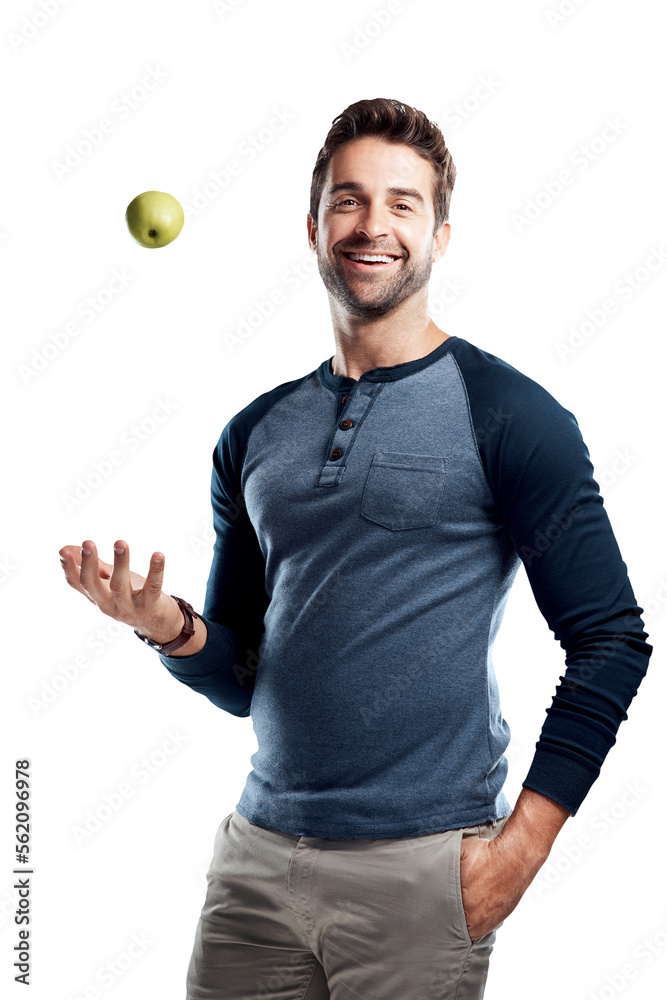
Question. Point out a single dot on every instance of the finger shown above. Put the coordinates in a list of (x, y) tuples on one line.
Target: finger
[(70, 556), (119, 584), (70, 559), (152, 587), (90, 574), (71, 567)]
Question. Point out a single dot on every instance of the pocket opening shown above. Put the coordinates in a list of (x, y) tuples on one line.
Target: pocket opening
[(403, 491)]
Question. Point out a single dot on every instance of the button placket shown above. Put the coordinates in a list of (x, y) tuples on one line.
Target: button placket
[(346, 430)]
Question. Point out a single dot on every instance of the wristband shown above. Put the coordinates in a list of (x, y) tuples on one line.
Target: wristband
[(188, 629)]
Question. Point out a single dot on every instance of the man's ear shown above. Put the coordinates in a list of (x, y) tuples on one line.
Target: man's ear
[(312, 232), (440, 241)]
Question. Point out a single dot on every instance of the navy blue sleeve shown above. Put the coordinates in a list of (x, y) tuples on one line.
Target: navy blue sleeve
[(224, 669), (541, 477)]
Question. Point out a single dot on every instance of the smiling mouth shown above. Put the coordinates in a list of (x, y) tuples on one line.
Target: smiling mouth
[(370, 261)]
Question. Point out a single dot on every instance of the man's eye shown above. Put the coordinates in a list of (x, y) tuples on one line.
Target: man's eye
[(354, 201)]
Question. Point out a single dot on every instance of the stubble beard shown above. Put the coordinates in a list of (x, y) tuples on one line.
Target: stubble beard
[(390, 292)]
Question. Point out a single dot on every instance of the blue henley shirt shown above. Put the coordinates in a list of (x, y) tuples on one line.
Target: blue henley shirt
[(367, 535)]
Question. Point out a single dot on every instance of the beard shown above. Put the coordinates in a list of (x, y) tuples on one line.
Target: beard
[(368, 295)]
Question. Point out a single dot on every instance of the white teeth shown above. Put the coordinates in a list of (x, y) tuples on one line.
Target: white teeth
[(372, 257)]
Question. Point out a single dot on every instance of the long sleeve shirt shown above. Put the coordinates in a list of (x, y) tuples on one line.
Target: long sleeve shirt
[(367, 535)]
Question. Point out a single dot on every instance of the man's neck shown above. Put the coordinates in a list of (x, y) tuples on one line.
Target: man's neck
[(355, 356)]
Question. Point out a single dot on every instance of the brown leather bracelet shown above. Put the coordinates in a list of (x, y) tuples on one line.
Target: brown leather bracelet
[(188, 630)]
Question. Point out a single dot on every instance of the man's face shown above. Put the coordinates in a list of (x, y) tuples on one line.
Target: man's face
[(360, 213)]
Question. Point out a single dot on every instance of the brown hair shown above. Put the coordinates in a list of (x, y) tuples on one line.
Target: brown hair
[(393, 122)]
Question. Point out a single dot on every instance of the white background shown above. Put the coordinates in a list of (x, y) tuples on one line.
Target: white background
[(533, 93)]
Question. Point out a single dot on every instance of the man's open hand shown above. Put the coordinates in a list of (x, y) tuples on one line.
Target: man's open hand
[(118, 592)]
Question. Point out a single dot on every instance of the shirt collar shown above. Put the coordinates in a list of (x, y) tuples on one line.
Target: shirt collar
[(384, 373)]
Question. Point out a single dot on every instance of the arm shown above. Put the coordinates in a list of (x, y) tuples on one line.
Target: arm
[(194, 643), (549, 507), (533, 826), (223, 659), (556, 518)]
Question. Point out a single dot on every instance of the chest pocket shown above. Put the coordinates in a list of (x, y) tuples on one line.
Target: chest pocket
[(403, 491)]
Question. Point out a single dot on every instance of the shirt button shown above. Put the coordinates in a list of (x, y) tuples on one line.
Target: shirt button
[(336, 453), (345, 424), (344, 400)]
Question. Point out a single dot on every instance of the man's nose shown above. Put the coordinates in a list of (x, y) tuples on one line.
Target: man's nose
[(373, 222)]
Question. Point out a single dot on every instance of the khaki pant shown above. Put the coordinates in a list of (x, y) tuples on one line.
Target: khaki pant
[(306, 918)]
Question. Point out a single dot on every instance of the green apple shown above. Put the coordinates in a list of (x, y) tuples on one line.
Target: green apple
[(154, 218)]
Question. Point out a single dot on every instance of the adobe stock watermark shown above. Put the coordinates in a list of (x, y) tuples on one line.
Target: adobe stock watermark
[(262, 307), (604, 820), (121, 109), (643, 954), (566, 8), (656, 605), (459, 113), (279, 982), (109, 972), (495, 420), (8, 907), (252, 318), (222, 7), (140, 773), (624, 288), (32, 24), (52, 688), (608, 651), (331, 586), (7, 569), (88, 309), (622, 461), (544, 538), (131, 440), (447, 293), (394, 688), (561, 521), (374, 24), (247, 151), (206, 538), (581, 159)]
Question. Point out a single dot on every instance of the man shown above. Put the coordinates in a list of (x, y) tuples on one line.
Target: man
[(370, 519)]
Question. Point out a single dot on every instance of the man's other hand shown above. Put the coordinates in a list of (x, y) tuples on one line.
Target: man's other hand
[(122, 594)]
